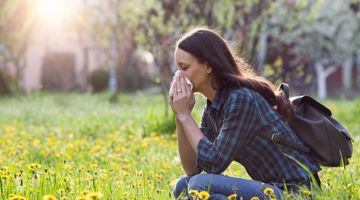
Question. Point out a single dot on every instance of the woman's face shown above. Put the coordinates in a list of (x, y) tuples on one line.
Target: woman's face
[(197, 73)]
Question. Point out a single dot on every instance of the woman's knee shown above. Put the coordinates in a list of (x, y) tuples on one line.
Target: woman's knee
[(200, 182), (181, 185)]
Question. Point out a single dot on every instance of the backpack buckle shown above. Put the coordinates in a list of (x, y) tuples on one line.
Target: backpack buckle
[(274, 137)]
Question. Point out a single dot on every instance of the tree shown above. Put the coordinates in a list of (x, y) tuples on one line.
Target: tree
[(16, 20), (355, 8), (115, 38), (321, 32), (160, 23)]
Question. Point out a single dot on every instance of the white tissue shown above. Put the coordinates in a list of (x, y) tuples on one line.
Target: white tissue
[(177, 73)]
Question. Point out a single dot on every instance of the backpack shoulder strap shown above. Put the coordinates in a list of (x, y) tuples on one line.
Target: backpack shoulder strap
[(277, 138), (285, 88)]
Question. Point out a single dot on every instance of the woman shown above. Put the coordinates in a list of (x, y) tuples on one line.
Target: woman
[(240, 105)]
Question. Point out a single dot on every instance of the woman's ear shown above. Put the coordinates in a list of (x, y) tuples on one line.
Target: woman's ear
[(208, 69)]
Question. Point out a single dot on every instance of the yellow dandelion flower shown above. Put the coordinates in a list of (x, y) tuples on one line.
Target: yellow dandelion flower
[(102, 175), (60, 190), (159, 177), (90, 177), (204, 195), (193, 193), (5, 177), (84, 192), (94, 195), (268, 191), (307, 193), (82, 197), (232, 196), (34, 166), (49, 197), (273, 197), (67, 166), (18, 174), (36, 142), (255, 198), (94, 166), (5, 169), (17, 197)]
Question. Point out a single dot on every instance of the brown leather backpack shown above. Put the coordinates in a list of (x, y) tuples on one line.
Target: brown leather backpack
[(324, 137)]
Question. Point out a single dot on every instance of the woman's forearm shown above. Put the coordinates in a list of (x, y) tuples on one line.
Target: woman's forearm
[(187, 154), (190, 130)]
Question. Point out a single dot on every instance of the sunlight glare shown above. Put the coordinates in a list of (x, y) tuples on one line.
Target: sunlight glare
[(52, 11)]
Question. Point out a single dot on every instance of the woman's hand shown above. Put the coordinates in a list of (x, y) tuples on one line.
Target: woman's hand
[(183, 100)]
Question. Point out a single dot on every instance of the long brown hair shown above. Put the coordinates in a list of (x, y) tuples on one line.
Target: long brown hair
[(230, 70)]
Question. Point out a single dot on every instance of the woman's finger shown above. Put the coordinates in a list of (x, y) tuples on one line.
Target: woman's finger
[(188, 88), (177, 91), (183, 84)]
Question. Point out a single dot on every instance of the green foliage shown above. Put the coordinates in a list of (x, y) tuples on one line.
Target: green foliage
[(305, 29), (155, 122), (346, 113), (133, 80), (318, 30)]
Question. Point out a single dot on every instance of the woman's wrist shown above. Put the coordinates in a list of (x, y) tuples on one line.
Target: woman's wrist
[(181, 118)]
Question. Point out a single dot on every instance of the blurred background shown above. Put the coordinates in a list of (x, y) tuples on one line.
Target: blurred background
[(84, 85), (122, 45)]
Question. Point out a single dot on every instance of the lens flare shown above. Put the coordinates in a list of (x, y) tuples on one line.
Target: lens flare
[(51, 11)]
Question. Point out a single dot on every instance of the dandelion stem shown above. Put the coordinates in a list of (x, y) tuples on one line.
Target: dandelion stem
[(2, 191), (94, 185)]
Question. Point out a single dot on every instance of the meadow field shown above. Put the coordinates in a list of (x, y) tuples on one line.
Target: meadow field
[(83, 147)]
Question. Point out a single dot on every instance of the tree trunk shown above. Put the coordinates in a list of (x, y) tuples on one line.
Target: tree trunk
[(113, 61), (346, 74), (164, 61), (321, 80), (84, 85), (82, 78), (254, 40), (322, 73), (357, 60), (262, 51), (4, 86), (20, 66)]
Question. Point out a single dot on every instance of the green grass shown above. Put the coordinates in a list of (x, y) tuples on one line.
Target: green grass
[(125, 149)]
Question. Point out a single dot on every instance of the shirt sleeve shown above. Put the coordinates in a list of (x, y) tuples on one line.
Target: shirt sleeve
[(238, 125), (205, 126)]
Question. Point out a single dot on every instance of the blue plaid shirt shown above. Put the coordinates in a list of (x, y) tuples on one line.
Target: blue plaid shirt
[(231, 126)]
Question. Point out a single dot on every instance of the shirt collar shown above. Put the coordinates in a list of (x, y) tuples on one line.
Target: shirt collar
[(219, 99)]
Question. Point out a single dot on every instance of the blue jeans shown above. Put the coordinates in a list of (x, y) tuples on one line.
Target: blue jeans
[(221, 186)]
